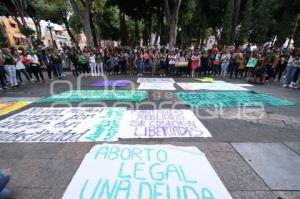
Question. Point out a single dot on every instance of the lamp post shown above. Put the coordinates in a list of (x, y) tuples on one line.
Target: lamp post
[(50, 30)]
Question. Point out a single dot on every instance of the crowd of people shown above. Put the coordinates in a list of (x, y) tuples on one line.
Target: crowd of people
[(257, 66)]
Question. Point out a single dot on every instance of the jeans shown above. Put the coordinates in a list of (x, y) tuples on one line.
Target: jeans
[(224, 68), (37, 72), (19, 75), (4, 194), (11, 71), (107, 67), (139, 68), (171, 69), (2, 77), (291, 70), (234, 68)]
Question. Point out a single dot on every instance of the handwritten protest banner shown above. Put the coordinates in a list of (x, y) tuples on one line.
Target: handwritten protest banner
[(216, 85), (230, 99), (62, 125), (157, 86), (10, 104), (161, 124), (112, 171), (155, 80), (113, 83), (97, 95)]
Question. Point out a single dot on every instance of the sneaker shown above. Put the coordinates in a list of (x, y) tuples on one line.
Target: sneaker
[(285, 85), (291, 85)]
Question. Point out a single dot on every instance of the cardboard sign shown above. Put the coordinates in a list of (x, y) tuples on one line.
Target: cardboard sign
[(216, 85), (155, 80), (230, 99), (62, 125), (111, 171), (97, 95), (111, 83), (251, 63), (161, 124), (157, 86)]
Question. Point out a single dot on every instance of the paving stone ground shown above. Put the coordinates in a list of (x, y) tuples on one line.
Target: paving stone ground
[(44, 170)]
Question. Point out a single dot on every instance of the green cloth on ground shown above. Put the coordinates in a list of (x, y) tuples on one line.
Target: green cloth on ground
[(96, 95), (230, 99), (204, 79)]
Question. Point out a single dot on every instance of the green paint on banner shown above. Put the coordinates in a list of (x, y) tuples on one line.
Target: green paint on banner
[(230, 99), (204, 79), (96, 95)]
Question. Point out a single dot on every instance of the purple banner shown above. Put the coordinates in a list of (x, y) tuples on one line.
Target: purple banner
[(116, 83)]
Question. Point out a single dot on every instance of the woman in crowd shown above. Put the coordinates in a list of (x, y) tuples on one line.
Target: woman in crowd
[(292, 65), (195, 62), (92, 64), (139, 64), (172, 62), (225, 58), (10, 67), (2, 72), (20, 67), (35, 66), (162, 64)]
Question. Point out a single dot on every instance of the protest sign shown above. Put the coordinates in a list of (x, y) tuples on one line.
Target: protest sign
[(252, 62), (155, 80), (230, 99), (161, 124), (97, 95), (114, 171), (9, 104), (157, 86), (216, 85), (111, 83), (62, 125)]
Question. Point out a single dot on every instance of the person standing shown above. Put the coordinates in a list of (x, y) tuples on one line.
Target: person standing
[(172, 63), (139, 64), (10, 67), (292, 65), (20, 67), (99, 64), (195, 62), (2, 72), (225, 58), (35, 66), (107, 62), (92, 64)]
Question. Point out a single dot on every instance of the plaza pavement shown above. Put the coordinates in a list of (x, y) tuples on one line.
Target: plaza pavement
[(44, 170)]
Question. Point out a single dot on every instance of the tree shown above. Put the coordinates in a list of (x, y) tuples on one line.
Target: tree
[(227, 25), (246, 22), (124, 37), (235, 17), (84, 16), (171, 12)]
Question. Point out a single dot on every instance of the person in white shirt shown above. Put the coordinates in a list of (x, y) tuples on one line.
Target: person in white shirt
[(92, 62), (35, 66)]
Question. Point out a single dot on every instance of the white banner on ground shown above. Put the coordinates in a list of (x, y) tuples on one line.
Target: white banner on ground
[(62, 125), (161, 124), (112, 171), (155, 80), (217, 86), (157, 86)]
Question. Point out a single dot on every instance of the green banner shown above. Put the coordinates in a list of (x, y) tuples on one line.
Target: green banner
[(96, 95), (230, 99)]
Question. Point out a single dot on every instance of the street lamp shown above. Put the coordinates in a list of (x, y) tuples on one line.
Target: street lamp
[(50, 29)]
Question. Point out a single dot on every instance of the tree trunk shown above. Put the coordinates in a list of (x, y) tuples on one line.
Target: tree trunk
[(235, 18), (65, 20), (85, 19), (38, 31), (172, 19), (95, 40)]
